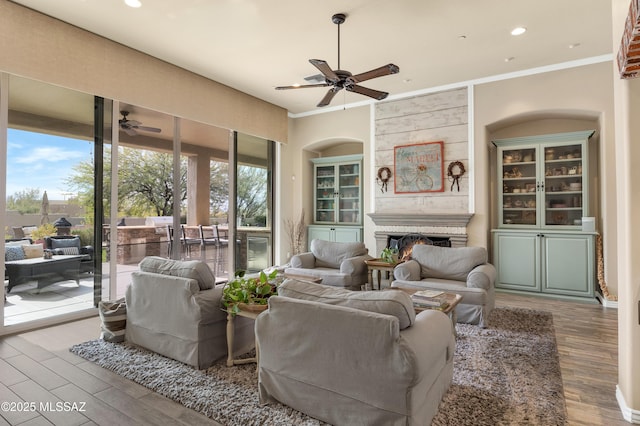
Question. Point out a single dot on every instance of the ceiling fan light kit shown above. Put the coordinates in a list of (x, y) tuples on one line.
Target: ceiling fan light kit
[(341, 79)]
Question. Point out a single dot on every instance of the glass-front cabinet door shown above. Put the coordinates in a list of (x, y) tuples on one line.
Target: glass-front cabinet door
[(520, 187), (563, 185), (540, 181), (338, 190), (325, 180)]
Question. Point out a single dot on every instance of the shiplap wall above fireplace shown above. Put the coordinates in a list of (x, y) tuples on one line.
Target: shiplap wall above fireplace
[(440, 116)]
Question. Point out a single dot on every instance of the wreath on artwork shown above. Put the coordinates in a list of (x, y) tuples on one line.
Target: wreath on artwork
[(455, 172), (384, 175)]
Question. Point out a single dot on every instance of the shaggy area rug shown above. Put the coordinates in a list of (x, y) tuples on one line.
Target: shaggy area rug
[(505, 374)]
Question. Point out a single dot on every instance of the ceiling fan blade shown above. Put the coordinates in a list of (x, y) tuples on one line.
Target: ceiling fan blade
[(378, 72), (148, 129), (375, 94), (129, 131), (325, 69), (304, 86), (329, 96)]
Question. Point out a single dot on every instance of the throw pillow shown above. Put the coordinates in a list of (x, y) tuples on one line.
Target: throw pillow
[(114, 320), (193, 269), (396, 303), (33, 250), (13, 253), (69, 250)]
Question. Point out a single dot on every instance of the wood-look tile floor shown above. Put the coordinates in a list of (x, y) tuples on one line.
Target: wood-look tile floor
[(37, 367)]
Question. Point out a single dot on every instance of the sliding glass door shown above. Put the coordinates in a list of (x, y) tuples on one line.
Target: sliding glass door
[(49, 243)]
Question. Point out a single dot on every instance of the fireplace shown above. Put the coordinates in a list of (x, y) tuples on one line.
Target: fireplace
[(404, 243), (437, 227)]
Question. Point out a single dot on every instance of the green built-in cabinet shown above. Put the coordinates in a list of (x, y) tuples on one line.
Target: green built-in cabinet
[(337, 201), (548, 262), (542, 195)]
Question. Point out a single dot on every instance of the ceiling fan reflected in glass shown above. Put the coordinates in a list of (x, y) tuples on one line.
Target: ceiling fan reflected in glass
[(341, 79), (131, 127)]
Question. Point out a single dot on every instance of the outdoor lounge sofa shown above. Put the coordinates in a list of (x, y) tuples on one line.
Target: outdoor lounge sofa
[(25, 262)]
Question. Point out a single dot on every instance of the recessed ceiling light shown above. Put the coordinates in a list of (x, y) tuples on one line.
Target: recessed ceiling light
[(574, 45), (406, 80), (133, 3), (462, 37), (509, 59), (518, 30)]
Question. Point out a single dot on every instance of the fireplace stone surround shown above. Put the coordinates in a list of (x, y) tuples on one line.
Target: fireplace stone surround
[(437, 225)]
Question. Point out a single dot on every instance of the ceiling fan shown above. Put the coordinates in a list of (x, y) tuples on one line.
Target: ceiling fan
[(130, 127), (340, 79)]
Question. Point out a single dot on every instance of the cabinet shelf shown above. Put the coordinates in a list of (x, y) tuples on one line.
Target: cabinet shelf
[(536, 171), (338, 193)]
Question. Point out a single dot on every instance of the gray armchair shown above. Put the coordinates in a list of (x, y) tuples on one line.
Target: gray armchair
[(353, 357), (174, 309), (461, 270), (337, 264)]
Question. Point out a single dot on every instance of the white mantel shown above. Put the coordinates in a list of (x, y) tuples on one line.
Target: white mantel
[(451, 225)]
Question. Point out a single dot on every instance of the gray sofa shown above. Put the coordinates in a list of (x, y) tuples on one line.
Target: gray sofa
[(461, 270), (353, 358), (173, 308), (337, 264)]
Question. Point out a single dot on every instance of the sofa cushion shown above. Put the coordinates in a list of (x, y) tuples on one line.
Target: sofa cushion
[(69, 250), (192, 269), (330, 254), (13, 253), (65, 242), (447, 262), (395, 303), (33, 250)]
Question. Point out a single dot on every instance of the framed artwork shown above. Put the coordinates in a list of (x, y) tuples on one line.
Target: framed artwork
[(418, 168)]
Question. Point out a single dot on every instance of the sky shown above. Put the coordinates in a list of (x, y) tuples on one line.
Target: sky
[(36, 160)]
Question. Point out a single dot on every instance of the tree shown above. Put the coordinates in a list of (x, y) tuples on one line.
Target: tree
[(219, 188), (252, 192), (24, 202), (145, 183)]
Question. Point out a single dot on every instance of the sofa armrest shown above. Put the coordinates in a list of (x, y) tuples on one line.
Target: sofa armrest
[(407, 271), (438, 348), (303, 260), (355, 265), (209, 303), (87, 250), (482, 276)]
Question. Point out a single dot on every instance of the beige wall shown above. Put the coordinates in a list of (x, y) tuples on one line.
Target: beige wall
[(315, 136), (42, 48), (566, 100), (627, 128)]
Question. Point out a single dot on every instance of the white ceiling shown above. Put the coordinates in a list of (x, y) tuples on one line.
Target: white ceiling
[(255, 45)]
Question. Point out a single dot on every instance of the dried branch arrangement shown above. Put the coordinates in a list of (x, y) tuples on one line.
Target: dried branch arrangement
[(296, 231)]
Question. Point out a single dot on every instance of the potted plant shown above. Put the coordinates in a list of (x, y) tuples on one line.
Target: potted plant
[(389, 255), (46, 230), (249, 293)]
